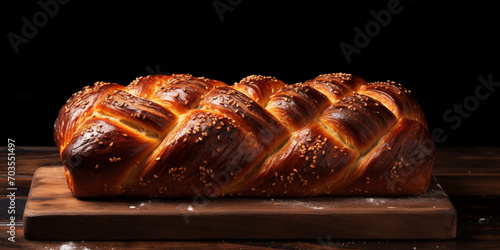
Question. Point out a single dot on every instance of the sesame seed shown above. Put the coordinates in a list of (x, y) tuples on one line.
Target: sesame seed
[(155, 176), (111, 144), (125, 135), (96, 166), (158, 158)]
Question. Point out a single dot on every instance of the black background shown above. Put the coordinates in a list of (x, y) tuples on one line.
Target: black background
[(438, 50)]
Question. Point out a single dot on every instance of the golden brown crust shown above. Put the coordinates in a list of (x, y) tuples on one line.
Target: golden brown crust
[(185, 136), (140, 113), (400, 164), (396, 98), (359, 120), (77, 109), (256, 120), (178, 92), (303, 166), (336, 85), (297, 105), (101, 155), (259, 88)]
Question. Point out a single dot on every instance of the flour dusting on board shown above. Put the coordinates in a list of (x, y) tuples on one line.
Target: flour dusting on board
[(307, 204)]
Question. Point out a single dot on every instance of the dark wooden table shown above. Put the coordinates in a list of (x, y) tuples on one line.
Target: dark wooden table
[(469, 175)]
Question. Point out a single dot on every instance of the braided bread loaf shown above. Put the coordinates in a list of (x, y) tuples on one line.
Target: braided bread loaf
[(183, 136)]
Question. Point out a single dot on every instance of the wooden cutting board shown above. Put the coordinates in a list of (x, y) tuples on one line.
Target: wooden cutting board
[(53, 213)]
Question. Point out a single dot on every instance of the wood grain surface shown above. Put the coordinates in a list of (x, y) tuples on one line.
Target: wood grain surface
[(53, 213)]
